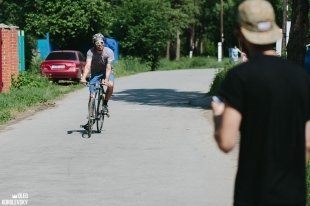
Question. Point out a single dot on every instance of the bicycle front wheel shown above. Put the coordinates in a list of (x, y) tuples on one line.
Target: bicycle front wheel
[(99, 111), (91, 116)]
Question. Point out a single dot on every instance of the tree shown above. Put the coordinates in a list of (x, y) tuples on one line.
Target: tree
[(298, 32), (178, 21), (68, 21), (184, 17), (11, 12), (143, 28)]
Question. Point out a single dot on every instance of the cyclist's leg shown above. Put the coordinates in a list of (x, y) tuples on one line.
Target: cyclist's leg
[(94, 79), (92, 90), (110, 88), (108, 94)]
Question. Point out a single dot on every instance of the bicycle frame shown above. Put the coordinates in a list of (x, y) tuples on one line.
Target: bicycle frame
[(95, 111)]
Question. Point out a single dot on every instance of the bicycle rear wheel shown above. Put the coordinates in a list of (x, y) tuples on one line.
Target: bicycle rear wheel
[(91, 116), (99, 111)]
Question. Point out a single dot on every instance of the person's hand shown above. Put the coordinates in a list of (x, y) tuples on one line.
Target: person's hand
[(217, 106), (83, 81), (105, 82)]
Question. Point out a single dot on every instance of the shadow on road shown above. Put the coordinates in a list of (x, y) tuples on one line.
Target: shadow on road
[(164, 97), (81, 131)]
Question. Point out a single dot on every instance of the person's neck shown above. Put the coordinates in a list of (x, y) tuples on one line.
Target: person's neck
[(267, 52), (99, 51), (270, 52)]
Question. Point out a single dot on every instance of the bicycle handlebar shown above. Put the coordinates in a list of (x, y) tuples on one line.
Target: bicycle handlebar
[(88, 84)]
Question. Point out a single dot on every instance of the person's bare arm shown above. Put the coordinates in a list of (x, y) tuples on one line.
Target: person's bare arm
[(227, 125), (86, 71), (307, 132), (107, 73)]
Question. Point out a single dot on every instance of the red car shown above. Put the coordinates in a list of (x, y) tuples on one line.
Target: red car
[(63, 65)]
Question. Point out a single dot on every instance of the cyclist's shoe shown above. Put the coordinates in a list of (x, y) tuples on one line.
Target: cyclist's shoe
[(85, 126), (105, 110)]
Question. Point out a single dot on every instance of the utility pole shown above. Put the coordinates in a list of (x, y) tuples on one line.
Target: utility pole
[(222, 22), (220, 44), (285, 7)]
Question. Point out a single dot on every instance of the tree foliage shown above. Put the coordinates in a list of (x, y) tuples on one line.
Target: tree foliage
[(11, 12), (67, 19), (143, 27), (298, 32)]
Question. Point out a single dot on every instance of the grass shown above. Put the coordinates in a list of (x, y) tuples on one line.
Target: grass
[(18, 99), (197, 62), (221, 73)]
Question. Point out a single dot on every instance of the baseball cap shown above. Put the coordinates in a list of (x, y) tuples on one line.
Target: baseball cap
[(257, 22)]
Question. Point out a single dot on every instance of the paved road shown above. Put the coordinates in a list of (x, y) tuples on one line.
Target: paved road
[(156, 149)]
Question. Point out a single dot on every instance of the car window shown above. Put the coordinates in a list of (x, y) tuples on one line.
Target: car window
[(61, 56)]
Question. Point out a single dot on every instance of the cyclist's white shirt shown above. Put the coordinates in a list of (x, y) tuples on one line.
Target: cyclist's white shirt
[(100, 61)]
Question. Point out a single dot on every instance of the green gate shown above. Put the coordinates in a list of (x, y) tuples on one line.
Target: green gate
[(21, 50)]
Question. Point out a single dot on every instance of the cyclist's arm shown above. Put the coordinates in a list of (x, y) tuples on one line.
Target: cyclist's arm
[(109, 65), (108, 72), (86, 70)]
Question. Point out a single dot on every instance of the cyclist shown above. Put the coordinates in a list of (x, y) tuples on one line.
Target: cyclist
[(99, 64)]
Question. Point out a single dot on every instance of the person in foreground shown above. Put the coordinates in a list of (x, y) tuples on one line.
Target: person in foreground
[(266, 101), (99, 64)]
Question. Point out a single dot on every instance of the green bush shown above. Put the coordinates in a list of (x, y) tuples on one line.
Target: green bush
[(5, 115), (210, 47), (28, 79), (129, 65), (35, 64), (132, 65), (219, 77), (188, 63)]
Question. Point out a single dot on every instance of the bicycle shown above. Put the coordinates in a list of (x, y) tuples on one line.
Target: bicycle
[(95, 110)]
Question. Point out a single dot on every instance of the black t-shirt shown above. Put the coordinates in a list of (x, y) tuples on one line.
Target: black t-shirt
[(273, 97)]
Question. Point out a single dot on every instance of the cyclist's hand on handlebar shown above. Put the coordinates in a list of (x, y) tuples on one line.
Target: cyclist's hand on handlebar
[(105, 82)]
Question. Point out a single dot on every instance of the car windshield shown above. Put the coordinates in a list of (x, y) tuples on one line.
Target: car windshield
[(61, 56)]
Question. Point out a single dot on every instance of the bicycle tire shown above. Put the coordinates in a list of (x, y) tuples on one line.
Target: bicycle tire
[(91, 116), (99, 111)]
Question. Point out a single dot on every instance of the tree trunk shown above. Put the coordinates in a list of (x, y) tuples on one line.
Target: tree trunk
[(298, 32), (177, 51), (192, 38), (168, 50), (201, 51)]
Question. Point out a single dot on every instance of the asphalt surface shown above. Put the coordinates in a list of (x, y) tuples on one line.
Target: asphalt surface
[(156, 149)]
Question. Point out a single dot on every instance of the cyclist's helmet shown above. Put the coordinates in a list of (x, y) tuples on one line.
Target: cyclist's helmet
[(98, 38)]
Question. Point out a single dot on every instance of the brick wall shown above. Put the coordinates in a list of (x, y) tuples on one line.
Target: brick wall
[(9, 55)]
